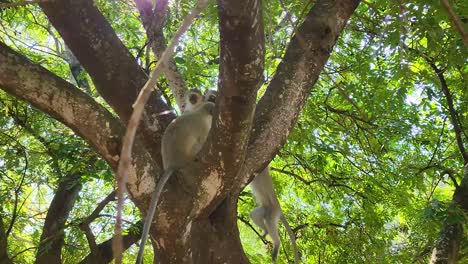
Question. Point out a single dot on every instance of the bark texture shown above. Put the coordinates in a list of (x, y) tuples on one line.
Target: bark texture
[(196, 218), (447, 248), (305, 57), (105, 255), (52, 237), (64, 102), (95, 44), (4, 259), (153, 21)]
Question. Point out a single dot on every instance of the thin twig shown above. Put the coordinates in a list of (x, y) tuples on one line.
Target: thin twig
[(126, 154), (22, 3)]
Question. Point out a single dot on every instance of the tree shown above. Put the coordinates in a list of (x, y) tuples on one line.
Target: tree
[(345, 140)]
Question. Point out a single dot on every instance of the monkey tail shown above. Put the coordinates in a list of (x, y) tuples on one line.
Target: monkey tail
[(151, 211), (291, 237)]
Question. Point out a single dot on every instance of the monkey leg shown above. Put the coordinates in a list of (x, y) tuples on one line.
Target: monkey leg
[(258, 216)]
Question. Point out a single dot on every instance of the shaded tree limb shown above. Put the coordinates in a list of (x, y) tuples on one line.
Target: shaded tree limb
[(104, 249), (447, 248), (453, 113), (294, 78), (454, 18), (91, 240), (242, 52), (52, 237), (115, 72), (76, 70), (84, 225), (69, 105), (153, 21), (127, 143), (4, 258), (95, 214)]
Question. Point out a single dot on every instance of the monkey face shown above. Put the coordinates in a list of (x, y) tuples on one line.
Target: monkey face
[(211, 98), (193, 98), (210, 95)]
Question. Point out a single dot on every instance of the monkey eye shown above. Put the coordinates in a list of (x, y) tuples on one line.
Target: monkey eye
[(212, 98), (182, 107), (193, 98)]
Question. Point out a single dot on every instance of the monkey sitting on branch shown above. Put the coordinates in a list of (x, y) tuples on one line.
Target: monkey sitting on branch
[(182, 140)]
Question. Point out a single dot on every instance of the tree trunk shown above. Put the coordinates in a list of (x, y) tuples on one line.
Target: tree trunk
[(52, 238), (447, 248), (4, 259), (196, 220), (209, 239)]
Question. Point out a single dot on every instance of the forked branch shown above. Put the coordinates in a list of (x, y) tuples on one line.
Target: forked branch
[(127, 145)]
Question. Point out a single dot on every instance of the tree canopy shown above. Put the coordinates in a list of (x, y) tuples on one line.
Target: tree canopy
[(361, 110)]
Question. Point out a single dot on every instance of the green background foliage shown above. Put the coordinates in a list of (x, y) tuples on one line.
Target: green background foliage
[(366, 176)]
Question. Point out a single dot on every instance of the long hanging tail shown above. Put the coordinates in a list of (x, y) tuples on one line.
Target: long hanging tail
[(151, 211), (291, 237)]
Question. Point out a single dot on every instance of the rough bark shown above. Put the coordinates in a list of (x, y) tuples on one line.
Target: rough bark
[(52, 237), (447, 248), (241, 74), (115, 72), (216, 231), (105, 248), (201, 227), (4, 259), (153, 21), (64, 102), (305, 56)]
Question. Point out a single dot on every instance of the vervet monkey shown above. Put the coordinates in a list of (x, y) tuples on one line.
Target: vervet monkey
[(191, 101), (268, 213), (182, 140), (210, 95)]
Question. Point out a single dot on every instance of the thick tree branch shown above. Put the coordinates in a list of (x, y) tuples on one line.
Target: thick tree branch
[(454, 18), (153, 20), (52, 237), (4, 259), (242, 51), (286, 95), (95, 214), (58, 98), (104, 250), (129, 138), (447, 248), (64, 102), (115, 72)]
